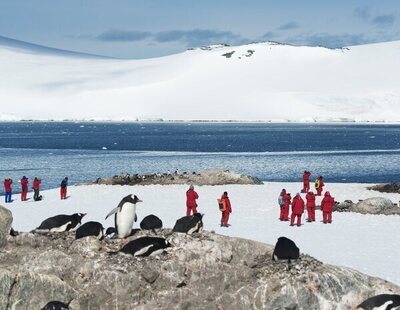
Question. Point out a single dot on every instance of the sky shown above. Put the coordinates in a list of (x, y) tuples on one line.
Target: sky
[(153, 28)]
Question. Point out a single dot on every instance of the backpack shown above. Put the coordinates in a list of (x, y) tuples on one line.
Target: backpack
[(221, 205), (316, 183)]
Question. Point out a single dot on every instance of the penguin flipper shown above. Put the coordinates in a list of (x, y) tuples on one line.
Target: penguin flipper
[(135, 217), (113, 211)]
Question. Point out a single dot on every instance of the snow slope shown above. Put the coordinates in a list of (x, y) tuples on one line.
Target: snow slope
[(368, 243), (261, 81)]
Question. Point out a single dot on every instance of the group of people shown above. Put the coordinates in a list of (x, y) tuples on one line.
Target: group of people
[(35, 186), (298, 204), (224, 202)]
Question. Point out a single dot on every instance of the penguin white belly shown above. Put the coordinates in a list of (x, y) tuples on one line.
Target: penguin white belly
[(61, 228), (125, 218)]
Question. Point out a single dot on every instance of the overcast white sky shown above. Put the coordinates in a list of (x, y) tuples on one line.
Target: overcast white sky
[(146, 28)]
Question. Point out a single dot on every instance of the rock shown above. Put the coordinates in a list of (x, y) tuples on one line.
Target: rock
[(206, 271), (386, 188), (5, 225), (344, 206), (376, 205)]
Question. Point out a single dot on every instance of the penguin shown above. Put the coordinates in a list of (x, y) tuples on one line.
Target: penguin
[(55, 305), (285, 249), (381, 302), (90, 229), (61, 223), (125, 215), (145, 246), (151, 222), (189, 224)]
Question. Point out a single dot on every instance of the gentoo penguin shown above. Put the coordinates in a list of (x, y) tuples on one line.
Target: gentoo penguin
[(151, 222), (125, 215), (285, 249), (90, 229), (189, 224), (145, 246), (61, 223), (55, 305), (381, 302)]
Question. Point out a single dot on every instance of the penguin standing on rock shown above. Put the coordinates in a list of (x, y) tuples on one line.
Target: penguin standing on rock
[(125, 215), (62, 222), (145, 246), (90, 229)]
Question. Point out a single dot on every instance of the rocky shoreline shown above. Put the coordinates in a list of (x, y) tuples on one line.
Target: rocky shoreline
[(212, 177), (200, 271), (374, 205)]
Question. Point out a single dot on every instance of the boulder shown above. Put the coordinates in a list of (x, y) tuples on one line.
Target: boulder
[(375, 205), (5, 225)]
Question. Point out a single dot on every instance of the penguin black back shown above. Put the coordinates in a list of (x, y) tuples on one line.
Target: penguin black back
[(379, 301), (62, 222), (90, 229), (151, 222), (145, 246), (285, 249), (55, 305), (189, 224)]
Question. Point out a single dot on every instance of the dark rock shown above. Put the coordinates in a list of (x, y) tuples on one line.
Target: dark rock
[(5, 225)]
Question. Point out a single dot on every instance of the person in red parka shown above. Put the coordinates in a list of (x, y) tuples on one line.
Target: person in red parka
[(36, 187), (191, 203), (306, 181), (24, 187), (286, 206), (327, 205), (297, 209), (7, 188), (319, 184), (228, 209), (310, 204)]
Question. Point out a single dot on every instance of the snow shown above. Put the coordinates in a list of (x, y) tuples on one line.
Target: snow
[(368, 243), (276, 83)]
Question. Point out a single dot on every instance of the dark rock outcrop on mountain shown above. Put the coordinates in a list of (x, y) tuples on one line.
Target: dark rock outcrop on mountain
[(386, 188), (213, 177), (201, 271)]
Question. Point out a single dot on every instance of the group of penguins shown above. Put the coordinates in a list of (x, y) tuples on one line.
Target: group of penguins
[(125, 216)]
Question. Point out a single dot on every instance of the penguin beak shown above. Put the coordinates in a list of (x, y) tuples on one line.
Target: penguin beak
[(140, 200), (83, 214)]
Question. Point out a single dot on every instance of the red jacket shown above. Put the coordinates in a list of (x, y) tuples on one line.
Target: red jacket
[(24, 183), (227, 202), (327, 203), (310, 197), (321, 183), (36, 184), (191, 197), (306, 177), (7, 185), (297, 205), (287, 198)]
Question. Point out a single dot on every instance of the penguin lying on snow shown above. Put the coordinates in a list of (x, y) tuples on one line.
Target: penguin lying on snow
[(189, 224), (145, 246), (381, 302), (61, 223), (151, 222), (90, 229), (56, 305), (285, 249), (125, 215)]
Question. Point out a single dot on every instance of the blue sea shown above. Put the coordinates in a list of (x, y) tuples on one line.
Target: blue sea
[(272, 152)]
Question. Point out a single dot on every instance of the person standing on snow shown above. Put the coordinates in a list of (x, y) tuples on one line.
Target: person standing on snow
[(7, 188), (297, 209), (286, 206), (24, 187), (36, 187), (319, 184), (228, 209), (63, 189), (327, 205), (306, 181), (281, 202), (191, 204), (310, 204)]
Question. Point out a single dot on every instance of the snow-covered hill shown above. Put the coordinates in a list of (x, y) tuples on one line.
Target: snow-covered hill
[(261, 81)]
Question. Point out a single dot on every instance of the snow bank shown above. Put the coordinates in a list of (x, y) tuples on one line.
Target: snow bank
[(368, 243), (262, 81)]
